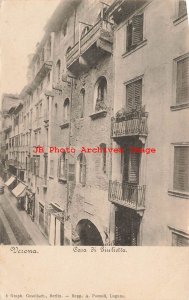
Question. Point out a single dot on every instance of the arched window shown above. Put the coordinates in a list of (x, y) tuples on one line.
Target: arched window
[(63, 166), (81, 169), (100, 94), (82, 97), (57, 71), (66, 110), (103, 159)]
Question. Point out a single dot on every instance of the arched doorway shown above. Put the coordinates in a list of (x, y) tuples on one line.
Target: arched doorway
[(88, 233)]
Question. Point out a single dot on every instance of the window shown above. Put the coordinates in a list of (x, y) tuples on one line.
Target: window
[(100, 94), (82, 96), (134, 95), (103, 164), (81, 169), (51, 168), (63, 165), (179, 239), (64, 29), (35, 163), (182, 89), (48, 49), (56, 111), (182, 8), (181, 168), (57, 71), (134, 32), (66, 110)]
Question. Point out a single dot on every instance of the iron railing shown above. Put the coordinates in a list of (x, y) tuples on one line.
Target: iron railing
[(127, 194)]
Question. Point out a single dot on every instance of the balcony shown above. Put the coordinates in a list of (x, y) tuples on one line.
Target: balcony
[(127, 194), (92, 46), (130, 124)]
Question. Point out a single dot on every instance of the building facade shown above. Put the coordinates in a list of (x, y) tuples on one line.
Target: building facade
[(106, 76)]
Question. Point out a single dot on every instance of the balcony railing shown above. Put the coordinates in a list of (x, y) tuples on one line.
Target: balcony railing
[(129, 124), (99, 35), (127, 194)]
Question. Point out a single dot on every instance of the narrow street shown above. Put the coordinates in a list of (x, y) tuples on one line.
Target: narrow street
[(16, 227)]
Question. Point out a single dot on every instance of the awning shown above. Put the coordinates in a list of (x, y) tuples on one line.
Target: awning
[(19, 190), (10, 181)]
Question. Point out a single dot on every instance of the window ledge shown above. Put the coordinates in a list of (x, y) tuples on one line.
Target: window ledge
[(98, 114), (180, 19), (51, 176), (178, 194), (140, 45), (65, 125), (179, 106)]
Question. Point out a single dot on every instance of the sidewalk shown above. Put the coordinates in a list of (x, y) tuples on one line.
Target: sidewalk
[(32, 229)]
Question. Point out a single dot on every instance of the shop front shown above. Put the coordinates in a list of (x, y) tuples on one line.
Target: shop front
[(30, 204), (56, 225), (20, 193)]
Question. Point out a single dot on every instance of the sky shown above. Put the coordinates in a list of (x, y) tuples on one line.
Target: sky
[(21, 27)]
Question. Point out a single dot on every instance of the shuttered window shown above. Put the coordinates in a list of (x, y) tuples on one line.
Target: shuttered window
[(81, 160), (52, 168), (135, 32), (182, 92), (133, 172), (63, 167), (181, 168), (134, 95), (179, 240), (182, 9)]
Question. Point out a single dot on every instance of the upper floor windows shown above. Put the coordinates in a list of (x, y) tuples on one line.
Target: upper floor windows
[(103, 161), (82, 97), (63, 166), (100, 93), (134, 32), (57, 71), (134, 95), (81, 169), (182, 88), (66, 110), (181, 168)]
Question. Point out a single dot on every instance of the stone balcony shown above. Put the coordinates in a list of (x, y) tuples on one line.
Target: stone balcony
[(92, 46)]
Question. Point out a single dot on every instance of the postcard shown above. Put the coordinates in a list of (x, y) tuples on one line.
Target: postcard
[(94, 149)]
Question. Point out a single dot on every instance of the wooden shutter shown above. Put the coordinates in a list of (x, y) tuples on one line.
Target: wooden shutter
[(182, 8), (181, 169), (129, 96), (179, 240), (83, 170), (182, 92), (129, 36), (137, 34), (137, 94), (133, 174)]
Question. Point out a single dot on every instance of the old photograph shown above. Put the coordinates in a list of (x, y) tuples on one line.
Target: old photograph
[(94, 132)]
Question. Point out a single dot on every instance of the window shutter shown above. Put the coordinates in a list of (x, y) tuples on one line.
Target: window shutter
[(130, 95), (129, 36), (182, 92), (65, 167), (179, 240), (133, 168), (137, 35), (181, 169), (137, 94)]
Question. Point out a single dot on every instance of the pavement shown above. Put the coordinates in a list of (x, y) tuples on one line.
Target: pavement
[(16, 226)]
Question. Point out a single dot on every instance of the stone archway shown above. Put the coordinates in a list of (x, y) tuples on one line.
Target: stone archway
[(88, 234)]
